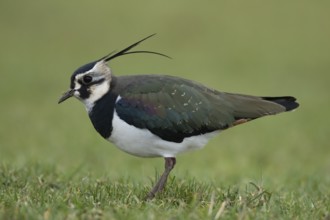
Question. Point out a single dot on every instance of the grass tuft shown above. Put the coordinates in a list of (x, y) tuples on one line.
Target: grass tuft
[(44, 192)]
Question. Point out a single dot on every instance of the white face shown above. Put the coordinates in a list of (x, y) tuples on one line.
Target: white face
[(93, 84)]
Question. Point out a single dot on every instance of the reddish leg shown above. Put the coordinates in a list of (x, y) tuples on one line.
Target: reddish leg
[(169, 165)]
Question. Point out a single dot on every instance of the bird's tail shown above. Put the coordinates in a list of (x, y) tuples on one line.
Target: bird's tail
[(252, 107), (288, 102)]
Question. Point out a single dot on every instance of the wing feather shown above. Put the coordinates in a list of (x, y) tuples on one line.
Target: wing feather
[(174, 108)]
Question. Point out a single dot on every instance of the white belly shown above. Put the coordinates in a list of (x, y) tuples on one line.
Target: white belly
[(141, 142)]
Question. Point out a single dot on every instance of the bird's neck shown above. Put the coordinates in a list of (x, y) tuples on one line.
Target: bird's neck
[(101, 114)]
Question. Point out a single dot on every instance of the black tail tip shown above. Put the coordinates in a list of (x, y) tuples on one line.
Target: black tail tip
[(288, 102)]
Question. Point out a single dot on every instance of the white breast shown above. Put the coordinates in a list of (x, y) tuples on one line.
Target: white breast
[(141, 142)]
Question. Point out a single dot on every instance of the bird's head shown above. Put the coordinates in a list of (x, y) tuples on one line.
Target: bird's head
[(92, 81), (89, 82)]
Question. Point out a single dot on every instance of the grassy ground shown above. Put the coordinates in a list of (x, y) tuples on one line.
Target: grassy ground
[(42, 192), (53, 165)]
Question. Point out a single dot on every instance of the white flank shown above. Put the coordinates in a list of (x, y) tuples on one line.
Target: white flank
[(141, 142)]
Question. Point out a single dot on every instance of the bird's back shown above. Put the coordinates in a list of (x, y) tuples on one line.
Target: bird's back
[(174, 108)]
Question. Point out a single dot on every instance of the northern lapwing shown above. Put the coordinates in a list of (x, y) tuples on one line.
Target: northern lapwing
[(161, 115)]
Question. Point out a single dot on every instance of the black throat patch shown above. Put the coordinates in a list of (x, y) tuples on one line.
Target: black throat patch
[(102, 114)]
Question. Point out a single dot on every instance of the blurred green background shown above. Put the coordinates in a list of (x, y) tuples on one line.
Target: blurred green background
[(268, 48)]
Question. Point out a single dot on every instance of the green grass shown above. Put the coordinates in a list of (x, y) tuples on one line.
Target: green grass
[(55, 166), (41, 192)]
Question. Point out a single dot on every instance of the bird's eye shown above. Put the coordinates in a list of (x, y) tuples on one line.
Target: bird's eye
[(87, 79)]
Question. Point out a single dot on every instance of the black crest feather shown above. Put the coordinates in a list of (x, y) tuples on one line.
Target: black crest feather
[(125, 51)]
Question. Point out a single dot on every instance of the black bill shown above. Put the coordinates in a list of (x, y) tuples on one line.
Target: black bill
[(66, 95)]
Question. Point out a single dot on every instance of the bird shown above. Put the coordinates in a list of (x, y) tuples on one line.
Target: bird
[(153, 115)]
